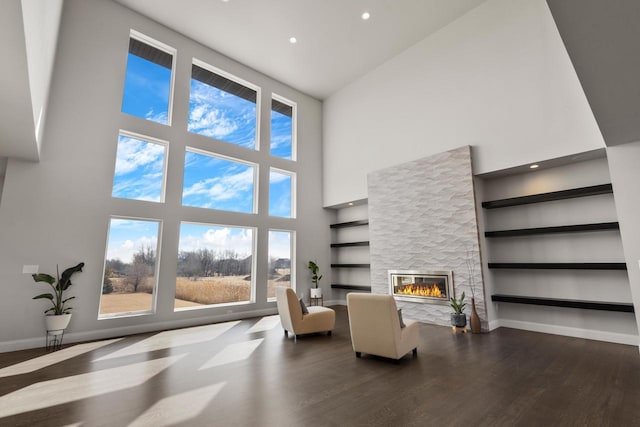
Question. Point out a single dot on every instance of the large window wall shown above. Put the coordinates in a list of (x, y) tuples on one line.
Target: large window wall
[(214, 165)]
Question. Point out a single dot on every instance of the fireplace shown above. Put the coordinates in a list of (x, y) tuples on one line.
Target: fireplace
[(432, 287)]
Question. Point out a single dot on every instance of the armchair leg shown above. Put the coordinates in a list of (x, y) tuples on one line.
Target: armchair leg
[(286, 333), (415, 352), (358, 354), (329, 333)]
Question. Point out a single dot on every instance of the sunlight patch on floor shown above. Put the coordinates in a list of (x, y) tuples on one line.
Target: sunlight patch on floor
[(52, 358), (265, 324), (173, 339), (179, 408), (69, 389), (233, 353)]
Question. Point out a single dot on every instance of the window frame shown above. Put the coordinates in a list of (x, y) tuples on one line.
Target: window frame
[(292, 252), (293, 176), (156, 271), (215, 70), (294, 126), (143, 38), (256, 177), (254, 265), (165, 165)]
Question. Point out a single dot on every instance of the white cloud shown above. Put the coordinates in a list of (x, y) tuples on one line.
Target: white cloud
[(157, 117), (222, 188), (134, 154), (279, 244), (218, 239), (218, 114)]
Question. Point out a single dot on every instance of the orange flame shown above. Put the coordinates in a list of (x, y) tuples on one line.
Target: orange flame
[(420, 290)]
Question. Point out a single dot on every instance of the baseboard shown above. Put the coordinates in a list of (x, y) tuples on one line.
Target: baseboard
[(613, 337), (101, 334), (335, 302)]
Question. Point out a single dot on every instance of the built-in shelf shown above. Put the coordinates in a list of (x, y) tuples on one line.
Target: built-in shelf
[(350, 223), (349, 244), (548, 197), (351, 287), (350, 265), (557, 229), (570, 303), (560, 265)]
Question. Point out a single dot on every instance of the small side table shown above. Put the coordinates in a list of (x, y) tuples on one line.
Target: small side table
[(53, 340), (316, 301)]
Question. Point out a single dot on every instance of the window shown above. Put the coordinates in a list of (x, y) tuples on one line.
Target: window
[(129, 279), (140, 168), (282, 128), (215, 265), (216, 182), (220, 153), (148, 81), (281, 185), (280, 262), (222, 106)]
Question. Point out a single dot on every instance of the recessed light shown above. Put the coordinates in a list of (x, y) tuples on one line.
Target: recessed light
[(350, 203), (293, 40), (534, 166), (365, 16)]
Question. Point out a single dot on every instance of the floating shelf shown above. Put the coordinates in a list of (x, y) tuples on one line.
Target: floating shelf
[(548, 197), (350, 265), (560, 265), (349, 244), (351, 287), (558, 229), (350, 224), (554, 302)]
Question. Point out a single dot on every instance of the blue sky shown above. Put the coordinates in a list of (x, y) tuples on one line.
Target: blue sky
[(127, 236), (217, 183), (209, 181)]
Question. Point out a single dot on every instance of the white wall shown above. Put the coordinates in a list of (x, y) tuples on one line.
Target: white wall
[(57, 211), (625, 176), (498, 78), (41, 24), (599, 246)]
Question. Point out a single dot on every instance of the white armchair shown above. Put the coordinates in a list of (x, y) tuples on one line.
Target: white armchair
[(375, 327), (319, 319)]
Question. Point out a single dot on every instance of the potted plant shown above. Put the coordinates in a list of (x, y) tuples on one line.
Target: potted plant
[(58, 316), (458, 318), (316, 292)]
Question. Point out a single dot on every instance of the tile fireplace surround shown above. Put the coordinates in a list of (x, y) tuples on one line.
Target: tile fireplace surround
[(422, 217)]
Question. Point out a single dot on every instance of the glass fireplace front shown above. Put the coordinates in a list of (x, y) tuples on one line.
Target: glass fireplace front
[(421, 286)]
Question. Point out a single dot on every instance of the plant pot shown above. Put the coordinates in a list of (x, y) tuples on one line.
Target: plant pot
[(459, 320), (316, 293), (57, 322)]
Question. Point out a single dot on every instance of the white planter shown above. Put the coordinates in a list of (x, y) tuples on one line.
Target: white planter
[(316, 293), (55, 324)]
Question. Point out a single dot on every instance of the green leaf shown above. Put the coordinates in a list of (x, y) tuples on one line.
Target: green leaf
[(43, 277), (44, 296), (68, 299), (51, 309), (65, 279)]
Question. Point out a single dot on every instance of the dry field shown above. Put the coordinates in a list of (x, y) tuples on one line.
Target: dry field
[(189, 293), (130, 302)]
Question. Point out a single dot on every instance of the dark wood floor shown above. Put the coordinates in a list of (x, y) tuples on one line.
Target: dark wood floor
[(504, 378)]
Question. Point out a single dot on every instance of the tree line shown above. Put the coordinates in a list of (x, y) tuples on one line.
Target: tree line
[(196, 263)]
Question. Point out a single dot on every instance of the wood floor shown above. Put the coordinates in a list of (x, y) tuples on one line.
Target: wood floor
[(247, 373)]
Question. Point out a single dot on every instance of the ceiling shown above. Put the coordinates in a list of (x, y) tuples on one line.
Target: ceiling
[(335, 46)]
